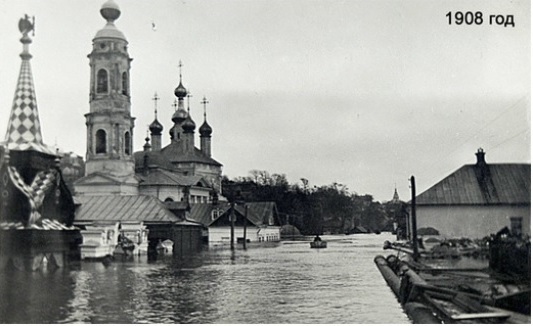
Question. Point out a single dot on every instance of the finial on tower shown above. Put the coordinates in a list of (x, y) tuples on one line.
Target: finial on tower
[(26, 26), (110, 11)]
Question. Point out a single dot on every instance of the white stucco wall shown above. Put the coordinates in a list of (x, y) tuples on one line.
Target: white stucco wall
[(471, 221)]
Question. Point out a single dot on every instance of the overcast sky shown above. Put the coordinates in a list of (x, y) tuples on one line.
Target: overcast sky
[(363, 93)]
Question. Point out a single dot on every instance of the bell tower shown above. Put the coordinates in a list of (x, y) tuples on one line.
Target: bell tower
[(109, 122)]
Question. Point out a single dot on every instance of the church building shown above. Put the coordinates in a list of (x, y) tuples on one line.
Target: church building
[(178, 172)]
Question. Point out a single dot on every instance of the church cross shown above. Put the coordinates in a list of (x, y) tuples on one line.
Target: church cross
[(189, 95), (204, 102), (155, 99)]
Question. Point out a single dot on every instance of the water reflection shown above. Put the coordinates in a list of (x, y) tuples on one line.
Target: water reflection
[(289, 283)]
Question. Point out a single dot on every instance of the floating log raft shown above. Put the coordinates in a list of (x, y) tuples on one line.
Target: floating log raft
[(446, 290)]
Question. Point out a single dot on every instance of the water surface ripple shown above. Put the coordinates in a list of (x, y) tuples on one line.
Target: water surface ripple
[(287, 283)]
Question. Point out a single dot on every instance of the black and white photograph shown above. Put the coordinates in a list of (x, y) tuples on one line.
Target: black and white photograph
[(265, 161)]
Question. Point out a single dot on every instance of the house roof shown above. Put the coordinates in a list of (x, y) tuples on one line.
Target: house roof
[(123, 208), (201, 213), (259, 213), (488, 184)]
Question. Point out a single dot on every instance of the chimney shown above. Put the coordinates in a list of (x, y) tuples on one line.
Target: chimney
[(480, 157)]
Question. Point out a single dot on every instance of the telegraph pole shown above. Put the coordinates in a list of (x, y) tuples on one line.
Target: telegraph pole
[(413, 219), (244, 227), (232, 219)]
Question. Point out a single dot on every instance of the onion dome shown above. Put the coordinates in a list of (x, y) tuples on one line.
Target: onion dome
[(205, 129), (188, 125), (171, 131), (147, 145), (179, 116), (110, 11), (155, 127), (180, 91)]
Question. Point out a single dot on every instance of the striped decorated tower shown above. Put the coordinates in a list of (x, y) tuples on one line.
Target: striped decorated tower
[(36, 207)]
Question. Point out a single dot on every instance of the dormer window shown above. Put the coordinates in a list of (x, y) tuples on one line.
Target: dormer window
[(101, 81)]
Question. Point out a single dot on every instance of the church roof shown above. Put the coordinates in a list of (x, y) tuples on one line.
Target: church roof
[(117, 208), (163, 177), (154, 159), (24, 127), (497, 184), (175, 152)]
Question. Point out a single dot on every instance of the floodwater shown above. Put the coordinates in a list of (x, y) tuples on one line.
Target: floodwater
[(285, 283)]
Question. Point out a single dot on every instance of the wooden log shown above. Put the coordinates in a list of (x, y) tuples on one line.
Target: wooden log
[(420, 313), (390, 277)]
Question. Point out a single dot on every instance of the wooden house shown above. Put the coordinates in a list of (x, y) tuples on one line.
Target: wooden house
[(260, 219)]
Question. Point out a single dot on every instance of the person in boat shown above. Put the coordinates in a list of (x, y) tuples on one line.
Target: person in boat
[(317, 238)]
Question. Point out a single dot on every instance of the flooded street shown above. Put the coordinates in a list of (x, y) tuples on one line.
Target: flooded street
[(286, 283)]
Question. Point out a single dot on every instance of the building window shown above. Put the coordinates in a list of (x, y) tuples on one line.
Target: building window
[(125, 83), (101, 81), (169, 200), (127, 143), (101, 141), (516, 226)]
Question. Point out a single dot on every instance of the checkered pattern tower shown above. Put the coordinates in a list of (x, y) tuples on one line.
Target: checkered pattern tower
[(24, 128), (109, 122), (31, 186)]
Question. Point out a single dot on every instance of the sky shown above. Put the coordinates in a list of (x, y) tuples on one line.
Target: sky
[(361, 93)]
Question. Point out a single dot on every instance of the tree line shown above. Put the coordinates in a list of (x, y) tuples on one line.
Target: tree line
[(314, 210)]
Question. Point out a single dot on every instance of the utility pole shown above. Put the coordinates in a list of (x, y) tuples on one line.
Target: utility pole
[(413, 219), (232, 219), (244, 227)]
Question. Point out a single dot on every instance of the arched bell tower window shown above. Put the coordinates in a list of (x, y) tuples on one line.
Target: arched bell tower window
[(101, 81), (101, 142), (125, 85), (127, 143)]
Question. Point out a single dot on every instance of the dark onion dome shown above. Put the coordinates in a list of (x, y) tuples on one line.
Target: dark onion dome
[(205, 129), (155, 127), (180, 91), (179, 115), (188, 125)]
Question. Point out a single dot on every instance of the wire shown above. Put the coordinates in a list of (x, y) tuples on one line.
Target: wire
[(510, 138)]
